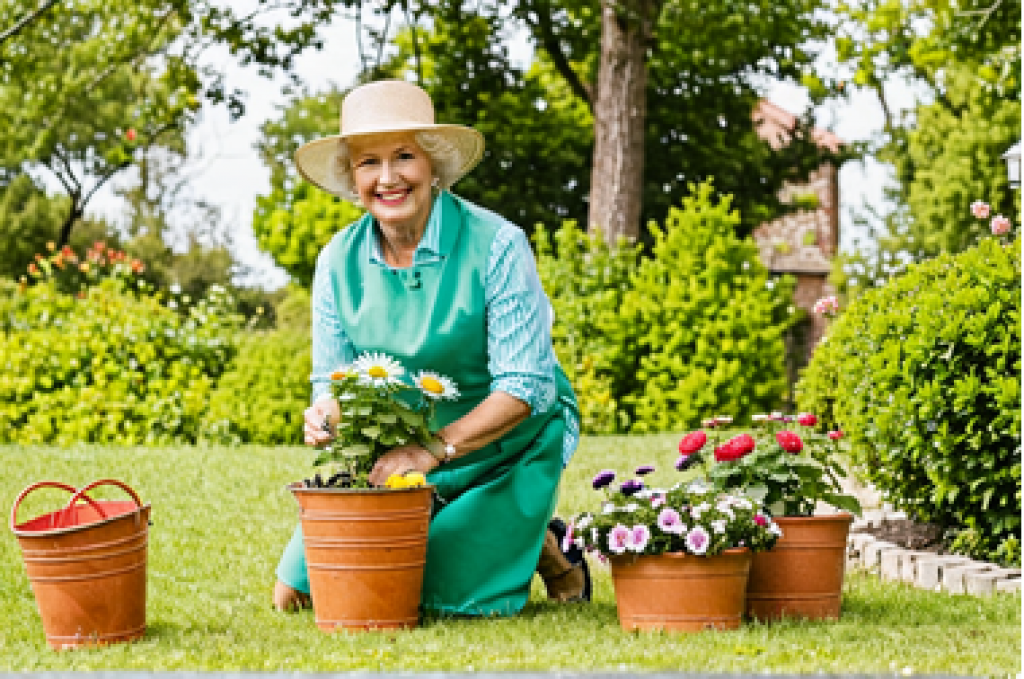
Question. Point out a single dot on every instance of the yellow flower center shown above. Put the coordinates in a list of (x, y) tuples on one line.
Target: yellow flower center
[(377, 371), (432, 385)]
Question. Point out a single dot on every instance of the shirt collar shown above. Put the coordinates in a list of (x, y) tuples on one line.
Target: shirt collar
[(429, 247)]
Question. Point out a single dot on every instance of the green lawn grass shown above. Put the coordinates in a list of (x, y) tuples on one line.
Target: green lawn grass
[(222, 515)]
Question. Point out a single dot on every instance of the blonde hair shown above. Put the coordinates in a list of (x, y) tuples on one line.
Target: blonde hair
[(445, 162)]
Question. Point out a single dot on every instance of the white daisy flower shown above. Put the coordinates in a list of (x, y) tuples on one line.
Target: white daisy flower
[(584, 522), (436, 387), (378, 370), (719, 525)]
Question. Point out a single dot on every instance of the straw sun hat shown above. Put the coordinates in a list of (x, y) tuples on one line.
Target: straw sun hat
[(389, 106)]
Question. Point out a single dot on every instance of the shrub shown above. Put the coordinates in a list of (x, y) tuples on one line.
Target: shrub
[(260, 398), (924, 376), (106, 366), (709, 321), (586, 280)]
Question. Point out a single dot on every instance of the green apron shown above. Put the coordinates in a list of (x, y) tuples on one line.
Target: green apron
[(483, 545)]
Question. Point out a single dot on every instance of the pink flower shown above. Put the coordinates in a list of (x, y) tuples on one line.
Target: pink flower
[(807, 419), (638, 538), (692, 442), (619, 538), (980, 209), (567, 541), (735, 448), (657, 501), (760, 520), (835, 435), (669, 521), (827, 305), (1000, 225), (697, 540), (789, 441)]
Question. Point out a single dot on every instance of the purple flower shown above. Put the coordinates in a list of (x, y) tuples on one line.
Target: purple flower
[(618, 538), (603, 478), (669, 521), (685, 462), (631, 487), (697, 540), (638, 538), (644, 469)]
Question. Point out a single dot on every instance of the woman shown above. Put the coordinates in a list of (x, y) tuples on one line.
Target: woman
[(441, 284)]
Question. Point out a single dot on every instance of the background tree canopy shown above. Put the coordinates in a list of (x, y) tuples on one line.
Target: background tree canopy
[(705, 63)]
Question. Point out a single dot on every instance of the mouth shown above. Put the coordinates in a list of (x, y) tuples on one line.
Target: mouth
[(391, 197)]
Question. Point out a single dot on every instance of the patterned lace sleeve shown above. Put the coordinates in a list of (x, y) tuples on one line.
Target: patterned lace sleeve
[(331, 346), (522, 361)]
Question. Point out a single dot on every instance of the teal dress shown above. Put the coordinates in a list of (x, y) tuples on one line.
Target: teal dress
[(484, 542)]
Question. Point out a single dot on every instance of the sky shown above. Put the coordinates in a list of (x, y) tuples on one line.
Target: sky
[(224, 166)]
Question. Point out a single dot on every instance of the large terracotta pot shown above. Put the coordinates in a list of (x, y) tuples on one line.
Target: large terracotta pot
[(681, 592), (365, 551), (87, 566), (802, 576)]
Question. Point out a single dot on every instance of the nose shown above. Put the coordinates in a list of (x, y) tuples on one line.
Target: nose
[(387, 173)]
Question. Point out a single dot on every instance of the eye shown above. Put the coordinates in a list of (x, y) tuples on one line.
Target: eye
[(406, 155), (366, 162)]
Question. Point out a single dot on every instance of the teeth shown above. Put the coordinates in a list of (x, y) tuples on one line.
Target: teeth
[(392, 196)]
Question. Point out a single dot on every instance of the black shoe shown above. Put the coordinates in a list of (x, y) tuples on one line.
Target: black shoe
[(573, 555)]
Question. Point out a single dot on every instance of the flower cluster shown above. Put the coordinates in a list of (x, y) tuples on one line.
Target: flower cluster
[(827, 306), (788, 469), (1000, 225), (689, 518), (380, 411), (72, 273)]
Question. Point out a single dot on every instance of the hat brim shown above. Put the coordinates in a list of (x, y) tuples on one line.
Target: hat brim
[(316, 160)]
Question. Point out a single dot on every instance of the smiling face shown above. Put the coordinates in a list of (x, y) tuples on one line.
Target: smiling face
[(392, 176)]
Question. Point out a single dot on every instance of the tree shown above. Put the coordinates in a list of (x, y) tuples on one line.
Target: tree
[(540, 122), (964, 60), (84, 85)]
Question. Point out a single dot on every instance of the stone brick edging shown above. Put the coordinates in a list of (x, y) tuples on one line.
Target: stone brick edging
[(925, 570)]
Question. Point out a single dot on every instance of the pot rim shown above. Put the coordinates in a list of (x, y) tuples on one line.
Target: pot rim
[(732, 551), (838, 516), (20, 532), (297, 487)]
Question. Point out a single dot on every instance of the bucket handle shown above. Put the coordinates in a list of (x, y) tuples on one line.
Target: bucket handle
[(81, 494), (51, 484)]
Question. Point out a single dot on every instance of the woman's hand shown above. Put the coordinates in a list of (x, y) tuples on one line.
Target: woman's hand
[(325, 410), (411, 458)]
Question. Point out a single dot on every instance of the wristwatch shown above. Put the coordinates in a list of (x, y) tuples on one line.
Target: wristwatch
[(441, 449)]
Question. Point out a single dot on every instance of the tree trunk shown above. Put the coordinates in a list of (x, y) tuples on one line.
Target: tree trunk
[(620, 110), (74, 213)]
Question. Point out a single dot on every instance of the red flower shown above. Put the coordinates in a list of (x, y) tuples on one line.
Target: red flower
[(807, 419), (130, 134), (760, 520), (835, 435), (789, 441), (692, 442), (735, 448)]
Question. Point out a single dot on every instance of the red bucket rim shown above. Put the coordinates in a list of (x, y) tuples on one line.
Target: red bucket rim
[(21, 532)]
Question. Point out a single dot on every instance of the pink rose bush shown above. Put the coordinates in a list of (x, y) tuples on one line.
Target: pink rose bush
[(782, 463), (999, 226), (691, 518)]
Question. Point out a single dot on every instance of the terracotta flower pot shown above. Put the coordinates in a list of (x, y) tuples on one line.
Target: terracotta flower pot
[(365, 552), (681, 592), (802, 576), (87, 566)]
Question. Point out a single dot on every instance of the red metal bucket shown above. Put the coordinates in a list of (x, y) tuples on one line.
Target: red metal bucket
[(87, 565)]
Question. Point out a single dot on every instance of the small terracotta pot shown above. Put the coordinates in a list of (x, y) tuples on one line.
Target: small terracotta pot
[(802, 576), (365, 553), (87, 566), (681, 592)]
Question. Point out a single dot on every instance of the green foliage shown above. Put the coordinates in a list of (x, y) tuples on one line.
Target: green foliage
[(789, 481), (924, 376), (971, 542), (586, 280), (295, 222), (262, 394), (294, 310), (709, 321), (106, 366)]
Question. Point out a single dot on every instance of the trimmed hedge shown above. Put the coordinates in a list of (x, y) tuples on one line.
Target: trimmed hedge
[(106, 366), (261, 397), (924, 376)]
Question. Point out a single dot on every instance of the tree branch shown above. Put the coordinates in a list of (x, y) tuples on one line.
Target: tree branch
[(542, 28), (26, 20)]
